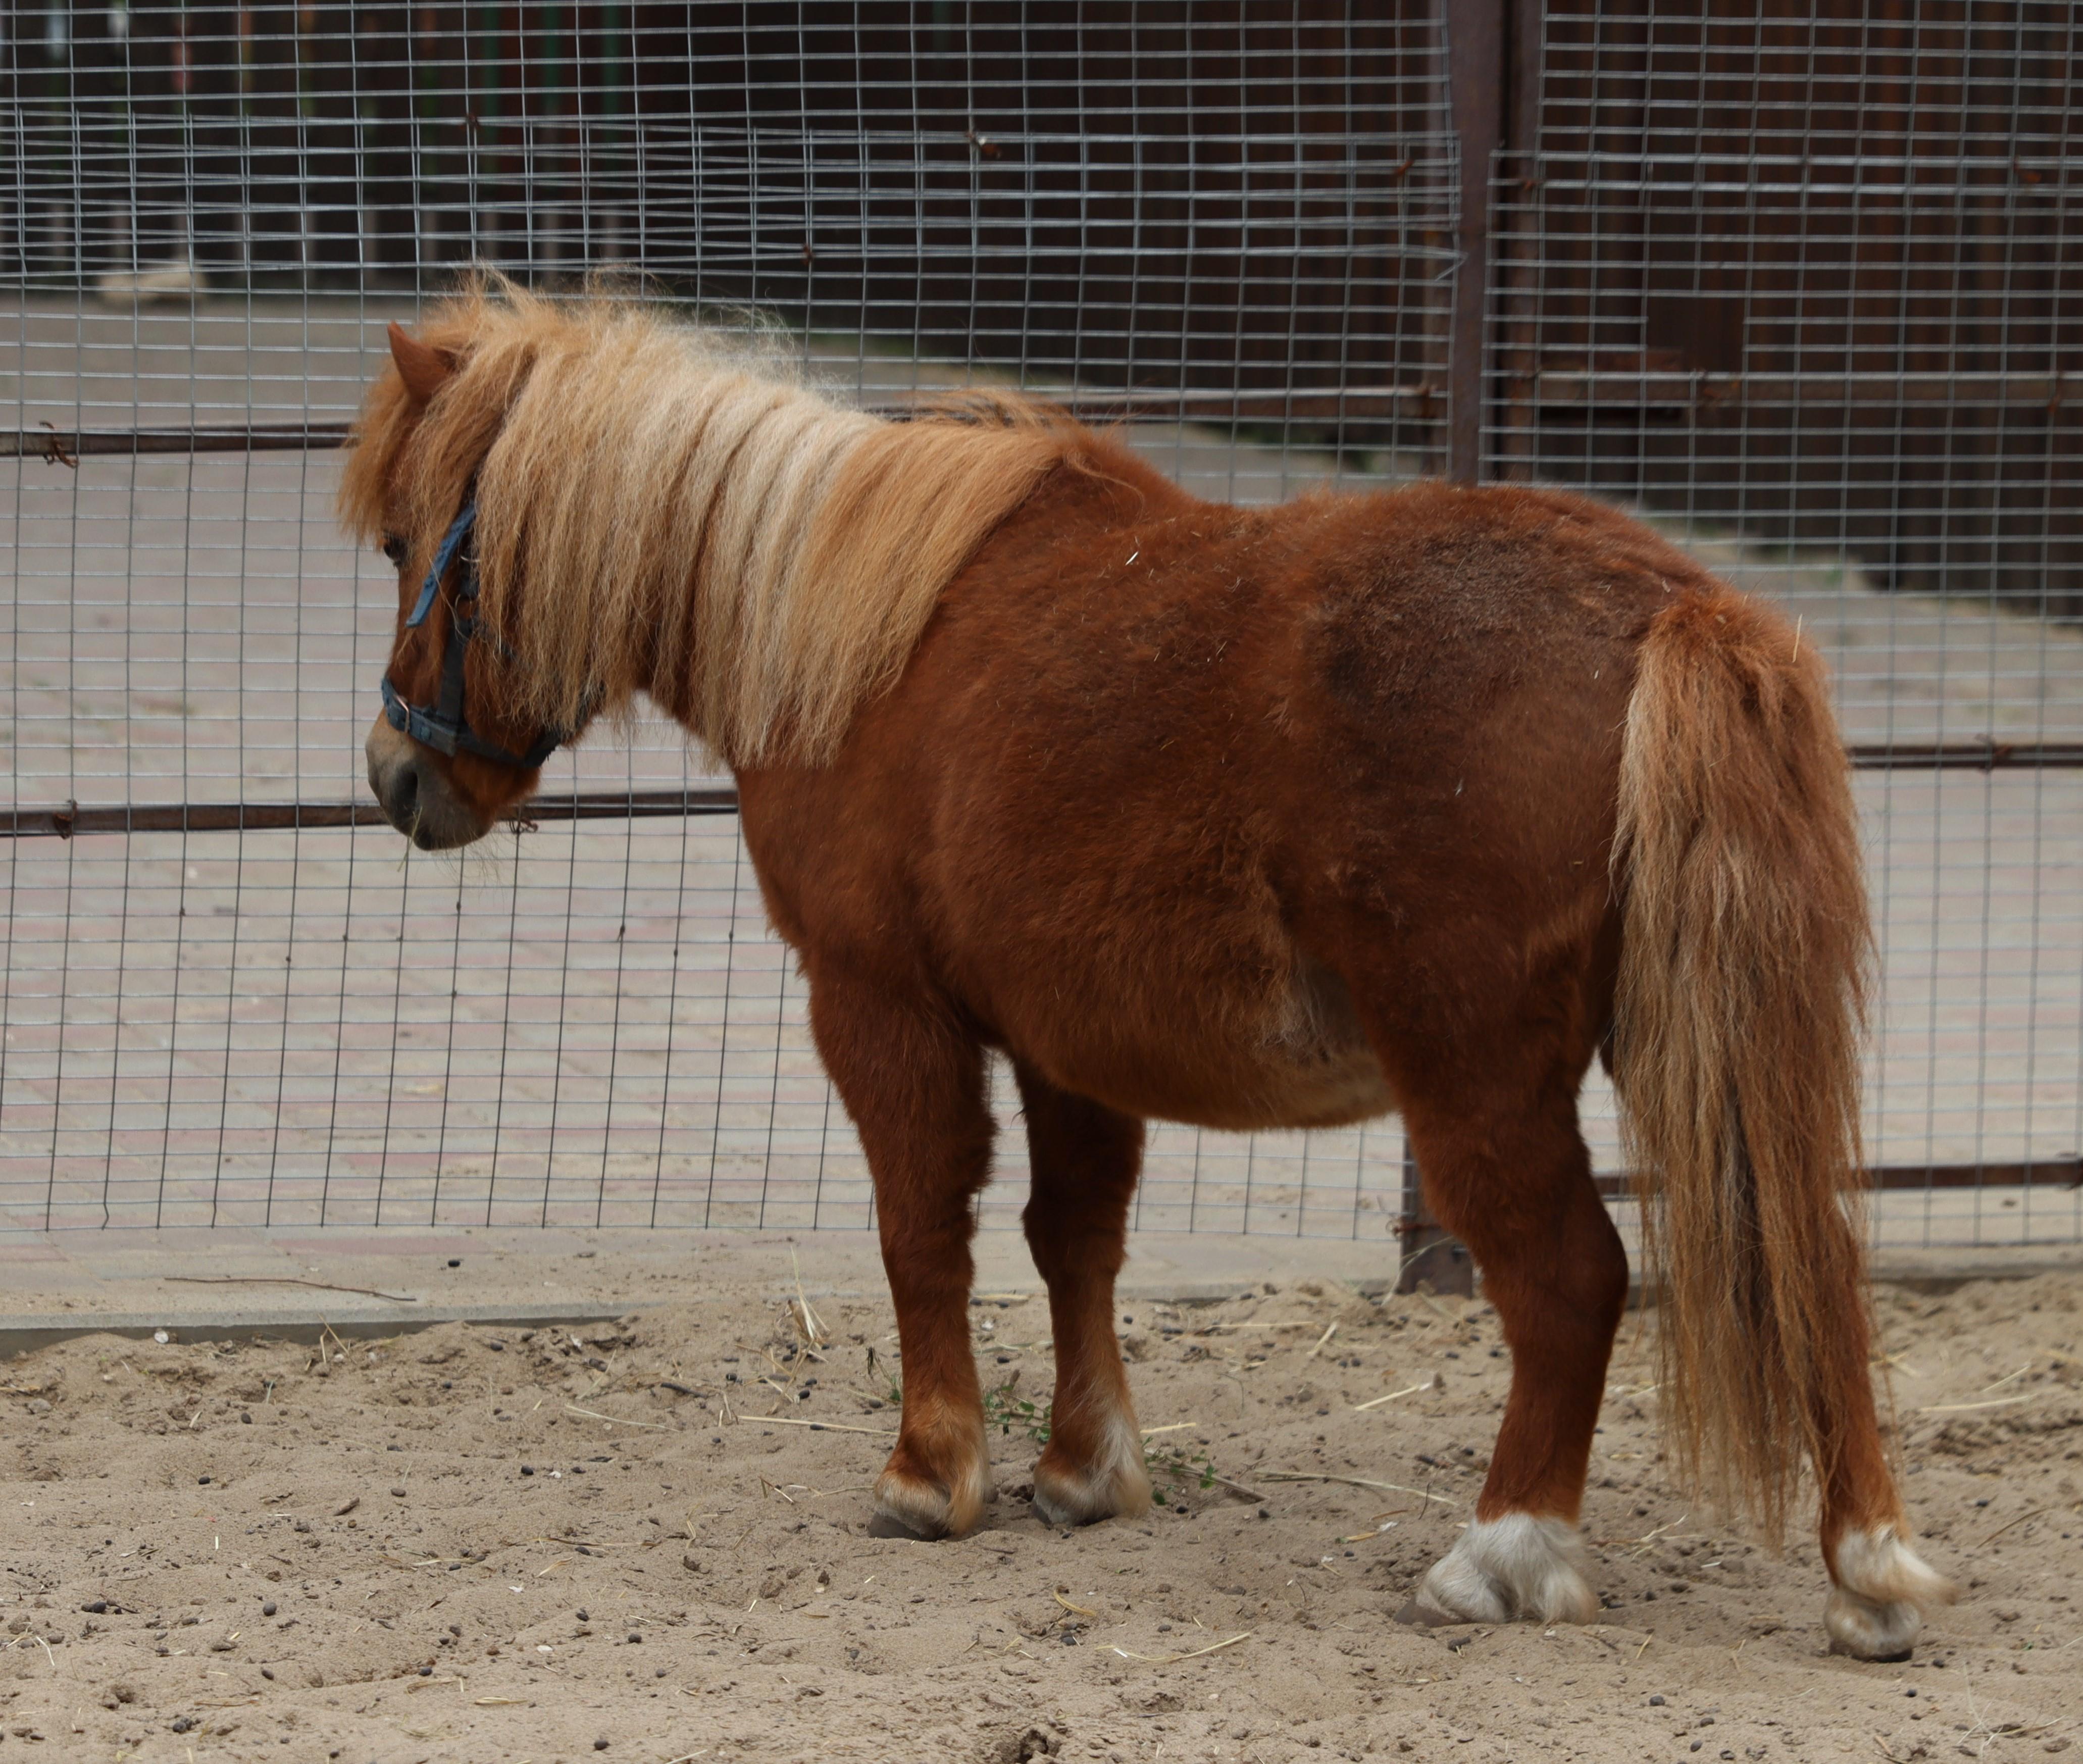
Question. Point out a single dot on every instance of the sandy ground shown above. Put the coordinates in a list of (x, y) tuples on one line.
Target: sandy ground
[(438, 1547)]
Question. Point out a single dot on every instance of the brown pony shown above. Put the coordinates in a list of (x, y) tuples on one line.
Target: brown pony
[(1253, 817)]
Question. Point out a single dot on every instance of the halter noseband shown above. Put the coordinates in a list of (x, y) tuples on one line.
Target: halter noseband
[(444, 728)]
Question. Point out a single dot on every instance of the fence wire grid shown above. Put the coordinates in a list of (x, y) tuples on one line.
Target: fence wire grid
[(1828, 356)]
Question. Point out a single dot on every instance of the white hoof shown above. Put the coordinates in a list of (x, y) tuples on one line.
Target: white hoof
[(1509, 1568), (1883, 1590)]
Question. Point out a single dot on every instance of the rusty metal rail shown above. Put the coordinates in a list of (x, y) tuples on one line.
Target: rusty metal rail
[(1338, 404), (1434, 1258), (68, 820), (2064, 1172), (68, 446)]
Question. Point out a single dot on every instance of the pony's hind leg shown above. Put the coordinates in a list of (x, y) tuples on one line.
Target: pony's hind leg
[(914, 1083), (1509, 1175), (1085, 1160), (1880, 1589)]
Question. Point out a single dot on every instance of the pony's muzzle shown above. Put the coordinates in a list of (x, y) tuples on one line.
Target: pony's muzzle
[(415, 796)]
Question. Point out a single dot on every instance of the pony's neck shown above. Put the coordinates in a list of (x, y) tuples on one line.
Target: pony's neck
[(825, 544), (754, 557)]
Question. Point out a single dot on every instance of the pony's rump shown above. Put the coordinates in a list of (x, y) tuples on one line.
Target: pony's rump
[(1737, 1019), (697, 519)]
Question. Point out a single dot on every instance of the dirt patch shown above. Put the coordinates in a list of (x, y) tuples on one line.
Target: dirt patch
[(480, 1544)]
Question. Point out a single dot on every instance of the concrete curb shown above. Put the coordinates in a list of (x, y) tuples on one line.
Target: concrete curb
[(1919, 1271), (19, 1335)]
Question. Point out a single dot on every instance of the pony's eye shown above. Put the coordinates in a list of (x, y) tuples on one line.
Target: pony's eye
[(394, 548)]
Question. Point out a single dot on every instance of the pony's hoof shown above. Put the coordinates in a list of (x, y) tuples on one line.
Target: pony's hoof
[(884, 1524), (1112, 1484), (1884, 1588), (908, 1507), (1866, 1630), (1072, 1500), (1902, 1658), (1501, 1570), (1422, 1616)]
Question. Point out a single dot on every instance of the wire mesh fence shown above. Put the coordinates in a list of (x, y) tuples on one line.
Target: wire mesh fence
[(1803, 286), (210, 216), (1235, 229)]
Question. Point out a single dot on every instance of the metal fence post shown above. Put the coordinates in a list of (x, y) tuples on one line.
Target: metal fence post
[(1476, 79), (1431, 1254)]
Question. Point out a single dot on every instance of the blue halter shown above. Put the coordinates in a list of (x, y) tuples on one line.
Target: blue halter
[(444, 728)]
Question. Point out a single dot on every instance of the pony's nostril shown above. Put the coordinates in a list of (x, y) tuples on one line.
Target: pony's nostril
[(404, 792)]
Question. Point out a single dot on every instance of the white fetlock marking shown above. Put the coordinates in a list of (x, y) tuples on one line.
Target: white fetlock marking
[(923, 1507), (973, 1492), (1516, 1567), (1115, 1481), (1883, 1591), (919, 1507)]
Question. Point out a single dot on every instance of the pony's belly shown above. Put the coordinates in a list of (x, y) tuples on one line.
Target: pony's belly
[(1344, 1087), (1316, 1067), (1297, 1059), (1263, 1087)]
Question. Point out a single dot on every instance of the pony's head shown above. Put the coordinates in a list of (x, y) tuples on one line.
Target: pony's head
[(585, 500), (458, 742)]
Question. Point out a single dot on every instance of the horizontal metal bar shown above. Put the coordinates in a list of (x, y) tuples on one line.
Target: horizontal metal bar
[(1679, 390), (71, 819), (2063, 1172), (1354, 403), (61, 446), (1968, 756), (1565, 391)]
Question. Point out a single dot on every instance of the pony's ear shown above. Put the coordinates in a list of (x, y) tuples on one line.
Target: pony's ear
[(424, 368)]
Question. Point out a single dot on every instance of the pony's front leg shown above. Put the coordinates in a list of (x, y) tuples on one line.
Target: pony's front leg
[(914, 1083), (1513, 1180), (1085, 1159)]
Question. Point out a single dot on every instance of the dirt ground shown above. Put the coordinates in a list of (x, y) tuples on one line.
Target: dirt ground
[(440, 1547)]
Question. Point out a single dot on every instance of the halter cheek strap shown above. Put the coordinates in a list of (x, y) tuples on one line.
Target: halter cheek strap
[(443, 726)]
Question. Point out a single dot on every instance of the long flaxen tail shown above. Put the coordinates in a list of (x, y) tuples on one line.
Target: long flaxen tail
[(1737, 1021)]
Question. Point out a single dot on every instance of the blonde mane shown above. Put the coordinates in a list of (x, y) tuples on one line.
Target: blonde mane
[(661, 510)]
